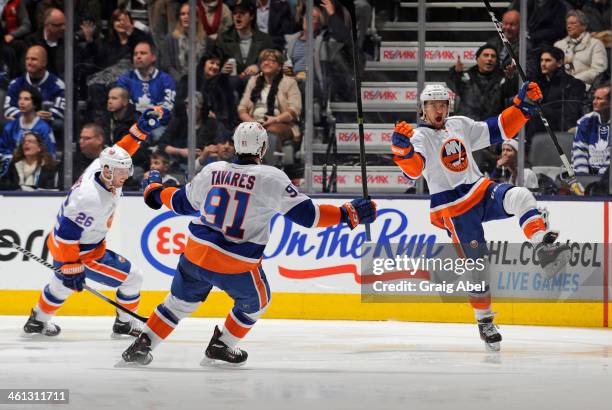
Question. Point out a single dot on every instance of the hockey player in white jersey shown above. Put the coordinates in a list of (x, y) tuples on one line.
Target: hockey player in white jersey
[(232, 205), (77, 242), (462, 199)]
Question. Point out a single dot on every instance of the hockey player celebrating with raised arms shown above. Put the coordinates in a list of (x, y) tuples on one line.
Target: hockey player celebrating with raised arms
[(232, 205), (77, 242), (462, 199)]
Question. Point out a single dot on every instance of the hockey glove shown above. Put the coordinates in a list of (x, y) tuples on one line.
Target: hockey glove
[(151, 119), (528, 94), (153, 190), (402, 147), (73, 276), (358, 211)]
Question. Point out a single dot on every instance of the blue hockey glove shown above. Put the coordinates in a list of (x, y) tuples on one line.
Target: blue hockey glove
[(528, 94), (401, 145), (150, 119), (153, 190), (73, 276), (358, 211)]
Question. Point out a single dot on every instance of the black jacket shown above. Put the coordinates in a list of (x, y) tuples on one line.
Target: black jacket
[(598, 14), (228, 46), (280, 22), (562, 103), (47, 179), (480, 96), (55, 55), (545, 24)]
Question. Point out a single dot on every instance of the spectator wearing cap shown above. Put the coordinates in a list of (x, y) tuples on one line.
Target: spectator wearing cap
[(222, 150), (585, 56), (563, 94), (590, 151), (27, 120), (243, 43), (507, 167), (482, 91)]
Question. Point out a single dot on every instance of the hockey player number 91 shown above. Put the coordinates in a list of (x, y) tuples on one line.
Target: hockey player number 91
[(215, 208)]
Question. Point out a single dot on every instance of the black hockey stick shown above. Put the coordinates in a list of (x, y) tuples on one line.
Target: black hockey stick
[(56, 270), (350, 6), (574, 184)]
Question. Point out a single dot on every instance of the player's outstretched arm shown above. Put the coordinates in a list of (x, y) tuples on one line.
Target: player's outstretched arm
[(175, 199), (513, 118), (149, 120), (308, 214), (403, 151)]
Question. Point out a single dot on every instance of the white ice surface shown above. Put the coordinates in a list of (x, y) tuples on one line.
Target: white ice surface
[(318, 365)]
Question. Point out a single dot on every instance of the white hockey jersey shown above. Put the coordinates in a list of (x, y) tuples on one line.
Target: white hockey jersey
[(84, 219), (234, 205), (454, 180)]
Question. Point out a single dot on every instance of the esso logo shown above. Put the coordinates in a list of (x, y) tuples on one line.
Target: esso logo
[(163, 241)]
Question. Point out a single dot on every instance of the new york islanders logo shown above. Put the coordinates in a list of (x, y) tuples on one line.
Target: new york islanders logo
[(454, 155)]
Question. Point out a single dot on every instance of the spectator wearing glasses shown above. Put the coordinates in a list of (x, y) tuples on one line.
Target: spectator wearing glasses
[(585, 56)]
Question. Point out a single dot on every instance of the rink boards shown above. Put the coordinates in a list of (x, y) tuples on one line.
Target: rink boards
[(316, 274)]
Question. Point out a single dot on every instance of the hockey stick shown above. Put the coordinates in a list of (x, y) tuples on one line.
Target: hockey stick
[(56, 270), (350, 6), (574, 184)]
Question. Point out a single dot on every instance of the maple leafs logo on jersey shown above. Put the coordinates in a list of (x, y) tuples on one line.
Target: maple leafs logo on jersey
[(454, 155)]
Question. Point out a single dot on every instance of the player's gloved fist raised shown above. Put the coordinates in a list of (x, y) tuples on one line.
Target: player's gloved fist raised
[(401, 145), (358, 211), (150, 119), (73, 275), (153, 190), (528, 94)]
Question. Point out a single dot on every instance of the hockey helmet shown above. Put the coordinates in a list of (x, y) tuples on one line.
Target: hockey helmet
[(116, 157), (434, 92), (251, 138)]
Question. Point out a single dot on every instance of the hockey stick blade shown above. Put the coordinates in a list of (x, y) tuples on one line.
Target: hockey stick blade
[(56, 270)]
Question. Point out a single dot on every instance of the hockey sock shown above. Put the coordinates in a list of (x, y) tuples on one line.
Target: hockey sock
[(48, 304), (166, 317), (481, 302), (237, 325), (520, 201), (128, 302)]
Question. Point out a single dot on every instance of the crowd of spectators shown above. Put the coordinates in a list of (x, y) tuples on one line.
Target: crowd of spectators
[(251, 65), (568, 55), (131, 55)]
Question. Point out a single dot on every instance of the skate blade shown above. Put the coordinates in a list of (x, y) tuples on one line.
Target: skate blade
[(122, 364), (120, 336), (493, 347), (206, 362), (554, 268), (37, 336)]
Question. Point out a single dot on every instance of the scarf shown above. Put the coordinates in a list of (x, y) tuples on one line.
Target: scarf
[(218, 9)]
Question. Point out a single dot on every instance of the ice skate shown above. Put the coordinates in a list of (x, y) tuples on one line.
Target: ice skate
[(553, 256), (43, 328), (489, 334), (218, 352), (129, 328), (139, 352)]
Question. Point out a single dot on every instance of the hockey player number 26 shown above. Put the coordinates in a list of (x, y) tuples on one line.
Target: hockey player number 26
[(216, 205)]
